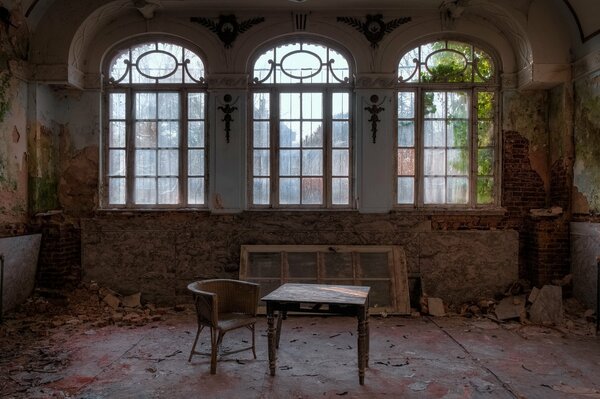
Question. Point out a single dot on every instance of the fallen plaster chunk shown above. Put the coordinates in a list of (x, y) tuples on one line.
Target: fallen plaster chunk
[(548, 306), (436, 306), (511, 307), (554, 211), (132, 301), (111, 301), (535, 291)]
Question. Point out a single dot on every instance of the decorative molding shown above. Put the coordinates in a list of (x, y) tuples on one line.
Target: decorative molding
[(509, 80), (231, 81), (541, 76), (450, 12), (376, 81), (300, 21), (374, 29), (227, 109), (227, 28), (374, 109), (586, 65)]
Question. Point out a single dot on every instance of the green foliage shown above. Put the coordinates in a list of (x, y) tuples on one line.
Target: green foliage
[(450, 71), (4, 88)]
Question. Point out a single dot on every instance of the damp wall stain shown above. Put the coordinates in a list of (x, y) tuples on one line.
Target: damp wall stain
[(43, 179), (587, 144)]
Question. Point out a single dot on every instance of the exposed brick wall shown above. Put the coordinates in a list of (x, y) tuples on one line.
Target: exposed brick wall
[(13, 229), (548, 248)]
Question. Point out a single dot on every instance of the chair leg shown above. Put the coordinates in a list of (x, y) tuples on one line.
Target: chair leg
[(200, 327), (252, 327), (214, 349)]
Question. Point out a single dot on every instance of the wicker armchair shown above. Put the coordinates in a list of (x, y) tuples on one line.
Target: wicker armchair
[(224, 305)]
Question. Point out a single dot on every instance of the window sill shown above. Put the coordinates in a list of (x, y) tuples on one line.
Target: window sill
[(491, 211)]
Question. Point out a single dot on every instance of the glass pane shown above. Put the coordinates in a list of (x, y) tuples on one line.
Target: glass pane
[(485, 133), (434, 190), (341, 134), (117, 105), (196, 162), (485, 161), (406, 104), (340, 162), (196, 134), (117, 134), (116, 164), (289, 191), (339, 67), (145, 106), (168, 105), (168, 190), (261, 134), (289, 106), (406, 161), (485, 190), (261, 163), (289, 134), (458, 105), (312, 106), (289, 162), (435, 104), (458, 190), (145, 191), (116, 191), (485, 105), (458, 162), (406, 133), (145, 163), (195, 66), (262, 67), (312, 191), (485, 65), (168, 162), (196, 106), (312, 134), (312, 162), (406, 190), (168, 134), (119, 65), (435, 162), (195, 190), (260, 191), (407, 66), (434, 133), (340, 191), (340, 106), (302, 264), (145, 134), (457, 133), (261, 105)]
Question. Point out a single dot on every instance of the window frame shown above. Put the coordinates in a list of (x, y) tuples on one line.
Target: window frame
[(274, 90), (130, 90), (471, 88)]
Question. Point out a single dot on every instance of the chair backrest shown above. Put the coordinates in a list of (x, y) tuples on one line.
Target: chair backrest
[(230, 296), (207, 304)]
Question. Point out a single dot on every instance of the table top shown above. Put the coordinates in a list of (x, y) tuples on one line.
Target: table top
[(320, 293)]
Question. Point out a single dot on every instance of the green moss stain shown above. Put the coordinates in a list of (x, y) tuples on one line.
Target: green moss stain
[(43, 176), (526, 112)]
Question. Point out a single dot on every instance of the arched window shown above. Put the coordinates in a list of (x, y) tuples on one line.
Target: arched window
[(301, 146), (447, 142), (155, 144)]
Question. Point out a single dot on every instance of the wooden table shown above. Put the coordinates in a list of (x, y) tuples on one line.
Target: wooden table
[(348, 300)]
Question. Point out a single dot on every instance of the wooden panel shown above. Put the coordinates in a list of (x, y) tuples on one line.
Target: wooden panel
[(381, 267)]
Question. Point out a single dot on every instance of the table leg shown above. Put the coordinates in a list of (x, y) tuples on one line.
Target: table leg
[(271, 338), (282, 315), (362, 343)]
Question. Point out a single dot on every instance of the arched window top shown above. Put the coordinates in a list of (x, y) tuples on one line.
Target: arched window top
[(156, 62), (446, 61), (301, 62)]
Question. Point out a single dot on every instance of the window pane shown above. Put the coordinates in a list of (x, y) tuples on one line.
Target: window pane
[(485, 161), (458, 162), (434, 133), (195, 190), (434, 162), (260, 191), (434, 190), (340, 163), (261, 163), (116, 163), (312, 106), (406, 105), (458, 105), (312, 134), (168, 134), (145, 105), (406, 190), (289, 162), (145, 163), (485, 105), (196, 134), (196, 105), (340, 191), (340, 106), (458, 190), (168, 162), (458, 133), (117, 134), (406, 161), (289, 133), (168, 105), (168, 190), (116, 189), (196, 162), (406, 133), (261, 134), (485, 133), (261, 105), (145, 191), (312, 191), (195, 67), (340, 134), (435, 105), (289, 191), (485, 190), (289, 105), (117, 106), (145, 134), (312, 162)]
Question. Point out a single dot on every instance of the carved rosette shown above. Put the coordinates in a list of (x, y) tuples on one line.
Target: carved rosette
[(227, 81), (376, 81)]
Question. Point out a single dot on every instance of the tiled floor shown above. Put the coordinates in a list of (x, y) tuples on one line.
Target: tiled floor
[(409, 357)]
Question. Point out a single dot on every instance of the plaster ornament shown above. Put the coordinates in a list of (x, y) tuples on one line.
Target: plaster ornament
[(374, 29), (147, 7), (227, 29)]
